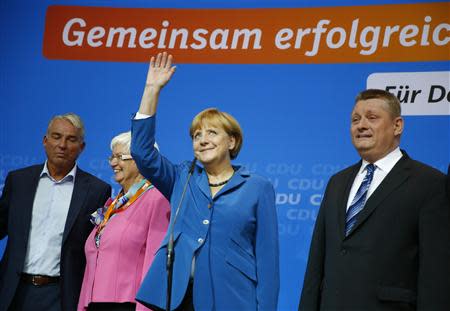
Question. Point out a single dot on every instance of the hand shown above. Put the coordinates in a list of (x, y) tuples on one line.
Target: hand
[(160, 71)]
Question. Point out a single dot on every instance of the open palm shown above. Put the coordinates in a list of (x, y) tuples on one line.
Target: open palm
[(160, 70)]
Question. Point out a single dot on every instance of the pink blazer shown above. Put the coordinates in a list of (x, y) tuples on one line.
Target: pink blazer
[(129, 241)]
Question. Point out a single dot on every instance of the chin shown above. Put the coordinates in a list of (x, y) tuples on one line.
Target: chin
[(59, 160), (205, 161), (363, 145), (363, 150)]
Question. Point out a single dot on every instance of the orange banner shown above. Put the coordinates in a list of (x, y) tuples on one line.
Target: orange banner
[(357, 34)]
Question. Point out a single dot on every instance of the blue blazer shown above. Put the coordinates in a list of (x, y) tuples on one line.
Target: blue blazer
[(233, 236)]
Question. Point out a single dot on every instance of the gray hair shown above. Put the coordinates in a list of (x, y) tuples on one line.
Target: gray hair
[(71, 117), (124, 139)]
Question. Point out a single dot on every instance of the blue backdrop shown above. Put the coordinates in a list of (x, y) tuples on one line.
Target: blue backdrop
[(295, 117)]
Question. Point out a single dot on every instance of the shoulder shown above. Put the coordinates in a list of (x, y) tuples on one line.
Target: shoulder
[(255, 180), (152, 202), (424, 171), (346, 172), (27, 171), (186, 165), (152, 195), (259, 179)]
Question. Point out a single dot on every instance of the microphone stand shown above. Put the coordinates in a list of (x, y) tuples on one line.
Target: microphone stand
[(170, 245)]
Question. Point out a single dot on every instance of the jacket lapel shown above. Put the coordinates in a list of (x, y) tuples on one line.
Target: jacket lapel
[(396, 177), (238, 178), (201, 181), (30, 186), (343, 199), (80, 190)]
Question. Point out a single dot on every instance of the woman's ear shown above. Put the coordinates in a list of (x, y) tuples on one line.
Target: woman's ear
[(231, 143)]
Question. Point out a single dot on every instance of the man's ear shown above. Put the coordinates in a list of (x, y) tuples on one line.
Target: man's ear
[(398, 126)]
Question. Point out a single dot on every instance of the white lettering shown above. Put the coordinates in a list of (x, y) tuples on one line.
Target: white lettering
[(371, 44), (283, 35), (246, 33), (146, 37), (94, 36), (198, 36), (341, 38), (408, 32), (436, 34), (122, 32), (223, 33), (79, 35)]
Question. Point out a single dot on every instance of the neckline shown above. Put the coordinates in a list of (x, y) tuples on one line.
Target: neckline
[(219, 183)]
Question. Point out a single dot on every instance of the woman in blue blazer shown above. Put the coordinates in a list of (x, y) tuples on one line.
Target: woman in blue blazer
[(224, 225)]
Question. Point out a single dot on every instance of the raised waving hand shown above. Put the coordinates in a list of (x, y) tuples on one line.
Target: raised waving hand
[(160, 70), (159, 73)]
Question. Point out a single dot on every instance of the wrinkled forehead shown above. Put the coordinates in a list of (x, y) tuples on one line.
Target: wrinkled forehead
[(370, 104), (65, 127), (120, 148)]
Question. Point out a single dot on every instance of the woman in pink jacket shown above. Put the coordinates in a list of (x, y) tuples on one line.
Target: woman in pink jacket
[(127, 233)]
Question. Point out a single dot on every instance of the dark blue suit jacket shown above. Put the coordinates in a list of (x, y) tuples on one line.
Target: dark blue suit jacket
[(16, 205), (396, 257)]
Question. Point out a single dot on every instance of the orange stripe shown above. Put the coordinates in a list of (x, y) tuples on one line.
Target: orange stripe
[(406, 32)]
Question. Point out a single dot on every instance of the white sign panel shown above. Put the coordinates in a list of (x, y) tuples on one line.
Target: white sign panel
[(420, 93)]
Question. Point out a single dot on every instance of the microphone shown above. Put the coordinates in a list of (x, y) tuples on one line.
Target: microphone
[(170, 244), (191, 169)]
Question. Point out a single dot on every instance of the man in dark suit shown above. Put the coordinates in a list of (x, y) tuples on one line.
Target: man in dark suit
[(44, 211), (382, 235), (448, 181)]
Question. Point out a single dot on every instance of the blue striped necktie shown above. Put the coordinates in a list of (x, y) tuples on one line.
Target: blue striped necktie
[(359, 200)]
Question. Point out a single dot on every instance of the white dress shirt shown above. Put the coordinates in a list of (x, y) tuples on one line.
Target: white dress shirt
[(50, 208), (383, 167), (139, 116)]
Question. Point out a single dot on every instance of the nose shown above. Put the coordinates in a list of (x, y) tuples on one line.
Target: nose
[(203, 140), (62, 143), (362, 124), (114, 164), (113, 161)]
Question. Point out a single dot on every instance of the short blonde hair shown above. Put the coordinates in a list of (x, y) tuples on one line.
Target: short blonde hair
[(222, 120)]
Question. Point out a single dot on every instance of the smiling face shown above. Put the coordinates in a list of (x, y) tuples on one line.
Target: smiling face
[(126, 172), (63, 144), (375, 132), (212, 145)]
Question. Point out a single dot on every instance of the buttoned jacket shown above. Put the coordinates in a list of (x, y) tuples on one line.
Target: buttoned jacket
[(114, 271), (397, 255), (233, 235)]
